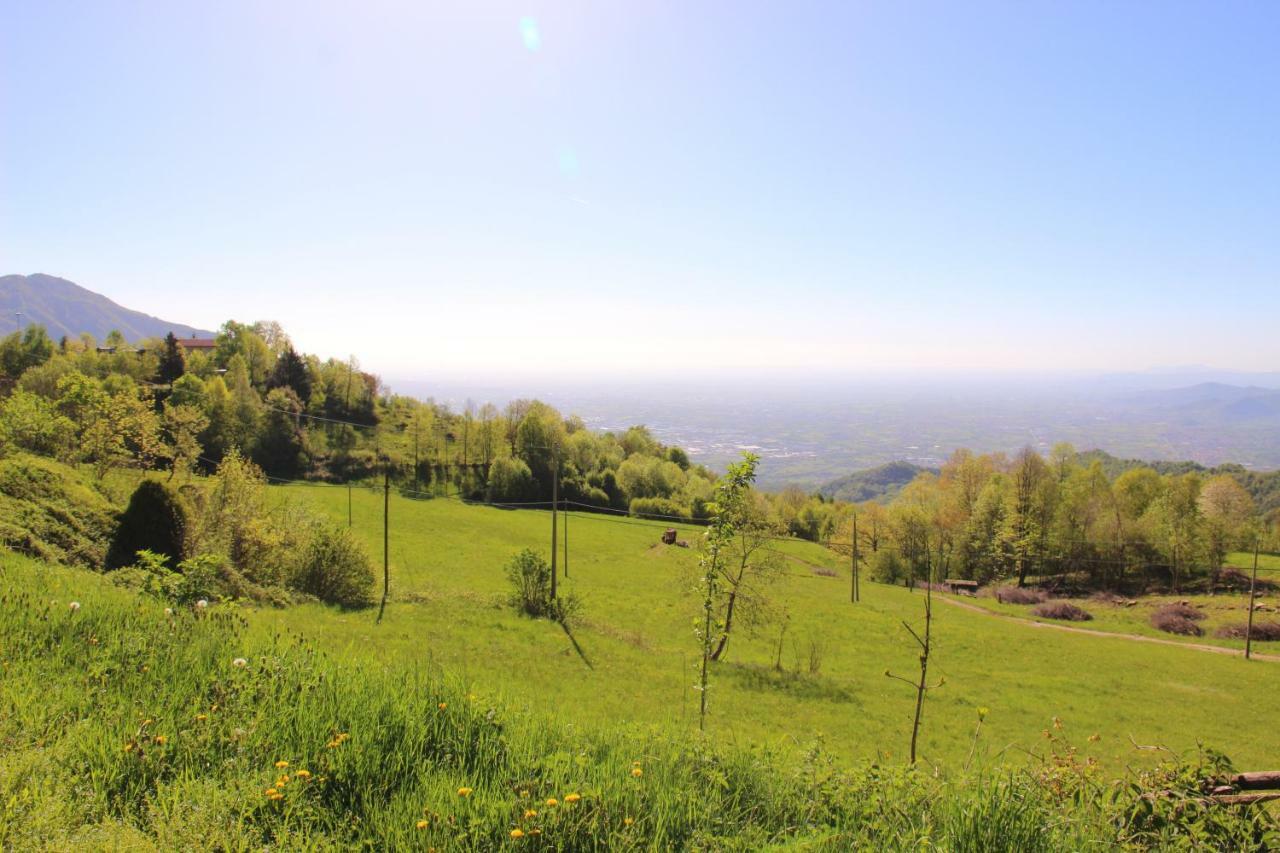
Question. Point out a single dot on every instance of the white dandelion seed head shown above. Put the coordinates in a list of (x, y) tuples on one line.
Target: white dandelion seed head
[(240, 662), (202, 604), (73, 606), (168, 611)]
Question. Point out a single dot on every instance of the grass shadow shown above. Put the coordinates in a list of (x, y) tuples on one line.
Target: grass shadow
[(576, 647), (796, 684)]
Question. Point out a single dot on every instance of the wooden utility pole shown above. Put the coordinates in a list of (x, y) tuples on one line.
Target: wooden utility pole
[(566, 539), (555, 511), (853, 592), (386, 538), (1253, 586)]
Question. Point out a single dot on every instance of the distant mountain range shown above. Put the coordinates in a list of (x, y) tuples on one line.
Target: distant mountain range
[(66, 308), (1213, 401)]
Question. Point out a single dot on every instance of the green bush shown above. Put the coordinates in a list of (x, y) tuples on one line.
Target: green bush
[(887, 567), (659, 507), (530, 579), (511, 481), (155, 520), (335, 568)]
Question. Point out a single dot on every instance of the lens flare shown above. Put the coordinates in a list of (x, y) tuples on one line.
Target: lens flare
[(529, 34)]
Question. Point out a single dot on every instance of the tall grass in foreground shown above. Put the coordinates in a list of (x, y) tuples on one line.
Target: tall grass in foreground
[(123, 725)]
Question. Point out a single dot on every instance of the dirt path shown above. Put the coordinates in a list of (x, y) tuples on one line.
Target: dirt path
[(1138, 638)]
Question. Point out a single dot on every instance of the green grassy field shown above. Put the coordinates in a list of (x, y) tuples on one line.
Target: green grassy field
[(636, 650), (127, 725)]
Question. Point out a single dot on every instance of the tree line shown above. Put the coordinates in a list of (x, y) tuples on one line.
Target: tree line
[(996, 517), (154, 405)]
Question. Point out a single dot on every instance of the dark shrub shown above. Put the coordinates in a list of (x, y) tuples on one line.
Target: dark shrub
[(1061, 610), (155, 520), (335, 568), (1263, 631), (1178, 619), (1019, 595)]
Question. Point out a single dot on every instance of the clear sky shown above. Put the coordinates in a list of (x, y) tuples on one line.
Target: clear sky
[(577, 187)]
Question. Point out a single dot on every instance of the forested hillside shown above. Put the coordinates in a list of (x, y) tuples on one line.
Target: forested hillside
[(883, 481), (152, 404)]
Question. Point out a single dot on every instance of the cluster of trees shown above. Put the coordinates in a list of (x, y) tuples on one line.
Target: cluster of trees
[(153, 405), (991, 517), (219, 539)]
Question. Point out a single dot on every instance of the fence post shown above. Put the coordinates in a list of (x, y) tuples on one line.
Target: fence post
[(1253, 584), (555, 511), (386, 538)]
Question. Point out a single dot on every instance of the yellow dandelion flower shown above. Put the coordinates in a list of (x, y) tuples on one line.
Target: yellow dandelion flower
[(276, 796), (627, 821), (464, 792), (128, 747), (530, 813), (270, 791), (572, 798), (535, 831), (200, 718), (280, 765), (443, 705), (161, 739), (303, 774), (637, 772), (517, 833), (552, 801), (422, 824), (283, 780), (524, 793)]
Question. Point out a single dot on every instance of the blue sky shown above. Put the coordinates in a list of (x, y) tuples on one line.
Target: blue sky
[(585, 187)]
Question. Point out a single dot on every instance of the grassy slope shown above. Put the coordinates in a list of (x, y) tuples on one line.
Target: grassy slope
[(447, 587), (126, 728)]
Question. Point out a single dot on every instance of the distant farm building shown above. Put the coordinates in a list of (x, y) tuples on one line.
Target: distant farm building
[(190, 344)]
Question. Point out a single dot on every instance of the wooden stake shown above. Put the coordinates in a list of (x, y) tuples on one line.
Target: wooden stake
[(386, 539), (555, 511), (854, 592), (1253, 585)]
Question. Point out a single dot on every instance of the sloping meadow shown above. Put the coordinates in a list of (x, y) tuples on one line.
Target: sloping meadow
[(125, 724)]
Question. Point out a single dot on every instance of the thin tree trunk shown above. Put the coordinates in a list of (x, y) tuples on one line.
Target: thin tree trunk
[(728, 624)]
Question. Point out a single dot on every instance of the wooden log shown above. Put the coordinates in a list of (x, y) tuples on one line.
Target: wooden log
[(1263, 780), (1245, 799)]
